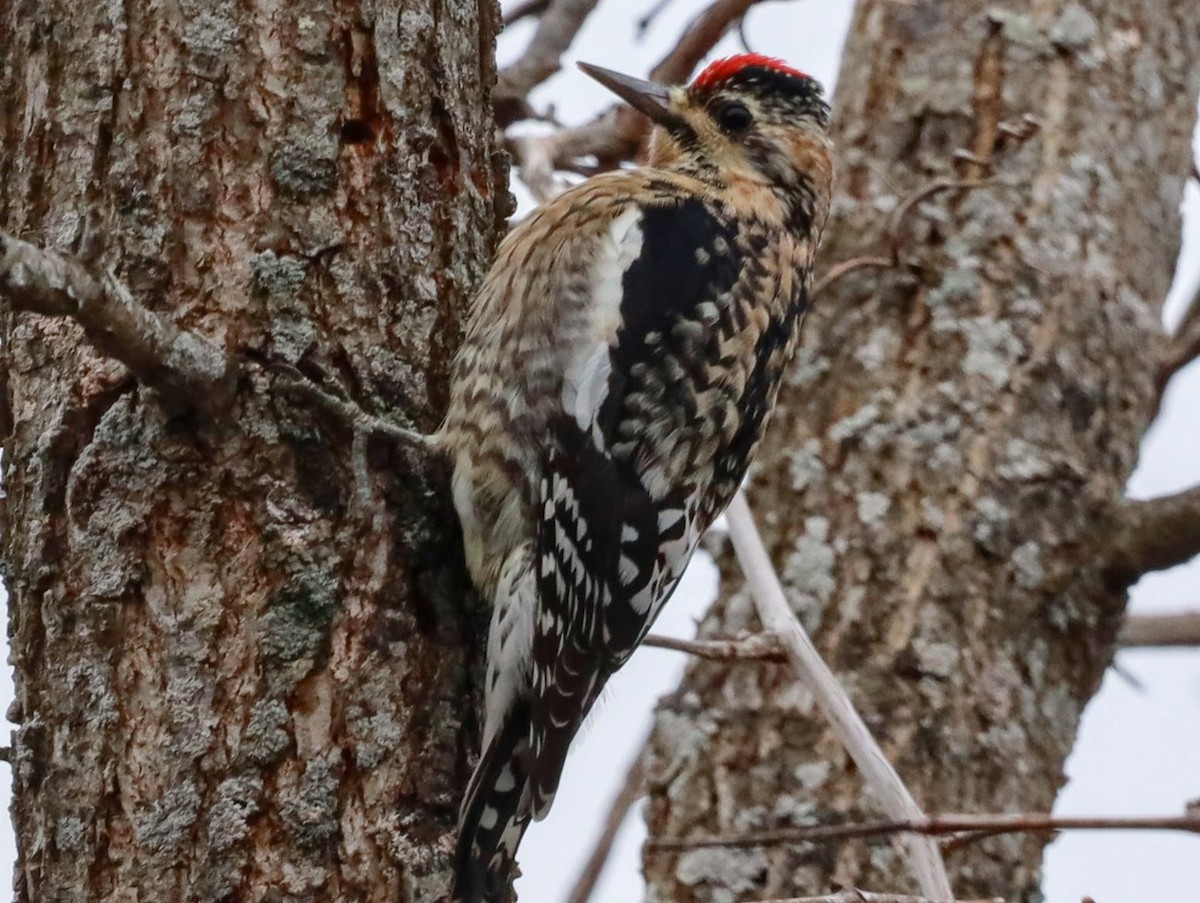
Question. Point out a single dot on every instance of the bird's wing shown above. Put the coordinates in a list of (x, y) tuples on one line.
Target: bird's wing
[(619, 515)]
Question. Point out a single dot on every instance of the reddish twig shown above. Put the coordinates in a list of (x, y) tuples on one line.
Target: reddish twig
[(556, 30), (932, 826)]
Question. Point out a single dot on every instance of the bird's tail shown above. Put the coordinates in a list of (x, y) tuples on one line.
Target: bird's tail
[(494, 815)]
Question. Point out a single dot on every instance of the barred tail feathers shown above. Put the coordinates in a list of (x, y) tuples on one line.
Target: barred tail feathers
[(494, 815)]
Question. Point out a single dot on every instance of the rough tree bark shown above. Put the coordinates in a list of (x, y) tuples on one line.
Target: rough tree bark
[(240, 635), (939, 487)]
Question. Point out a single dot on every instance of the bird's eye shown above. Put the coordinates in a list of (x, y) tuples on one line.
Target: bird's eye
[(734, 118)]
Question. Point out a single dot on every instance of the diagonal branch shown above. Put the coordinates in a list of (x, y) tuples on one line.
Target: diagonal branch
[(1152, 535), (878, 773), (633, 789), (556, 29), (188, 370), (524, 10)]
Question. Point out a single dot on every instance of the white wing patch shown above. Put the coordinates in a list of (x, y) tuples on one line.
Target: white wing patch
[(585, 382)]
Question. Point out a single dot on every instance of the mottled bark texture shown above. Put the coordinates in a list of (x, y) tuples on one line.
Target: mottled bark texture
[(240, 638), (954, 437)]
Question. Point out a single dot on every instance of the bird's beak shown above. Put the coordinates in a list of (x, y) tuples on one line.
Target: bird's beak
[(647, 97)]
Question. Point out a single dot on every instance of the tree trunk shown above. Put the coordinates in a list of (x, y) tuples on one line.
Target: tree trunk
[(938, 484), (240, 636)]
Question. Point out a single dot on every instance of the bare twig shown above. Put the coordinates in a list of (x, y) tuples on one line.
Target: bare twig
[(877, 771), (844, 268), (906, 207), (187, 370), (860, 896), (359, 421), (1152, 535), (699, 38), (631, 791), (1181, 629), (895, 238), (754, 647), (556, 29), (933, 826)]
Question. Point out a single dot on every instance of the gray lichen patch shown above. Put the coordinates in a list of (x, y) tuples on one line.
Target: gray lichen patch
[(279, 279), (728, 874), (808, 570), (165, 825), (299, 616), (1027, 565), (992, 349), (309, 809), (805, 463), (304, 165), (237, 799), (872, 507), (265, 738)]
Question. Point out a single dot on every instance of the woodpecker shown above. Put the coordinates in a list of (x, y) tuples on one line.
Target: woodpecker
[(618, 369)]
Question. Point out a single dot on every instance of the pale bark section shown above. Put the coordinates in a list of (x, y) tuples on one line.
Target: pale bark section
[(241, 647), (952, 441)]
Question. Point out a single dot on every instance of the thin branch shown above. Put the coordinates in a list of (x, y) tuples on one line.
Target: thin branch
[(359, 421), (895, 238), (556, 30), (698, 39), (844, 268), (524, 10), (931, 826), (877, 771), (906, 207), (862, 896), (1181, 629), (632, 790), (754, 647), (187, 370), (1151, 535)]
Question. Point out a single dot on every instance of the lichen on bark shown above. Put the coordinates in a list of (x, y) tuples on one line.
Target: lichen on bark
[(955, 434), (243, 642)]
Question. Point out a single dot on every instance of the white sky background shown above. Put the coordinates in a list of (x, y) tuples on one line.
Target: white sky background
[(1138, 753)]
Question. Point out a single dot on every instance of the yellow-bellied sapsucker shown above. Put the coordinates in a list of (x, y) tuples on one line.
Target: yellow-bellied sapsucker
[(619, 366)]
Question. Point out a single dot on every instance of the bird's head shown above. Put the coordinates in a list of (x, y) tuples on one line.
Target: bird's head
[(748, 117)]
